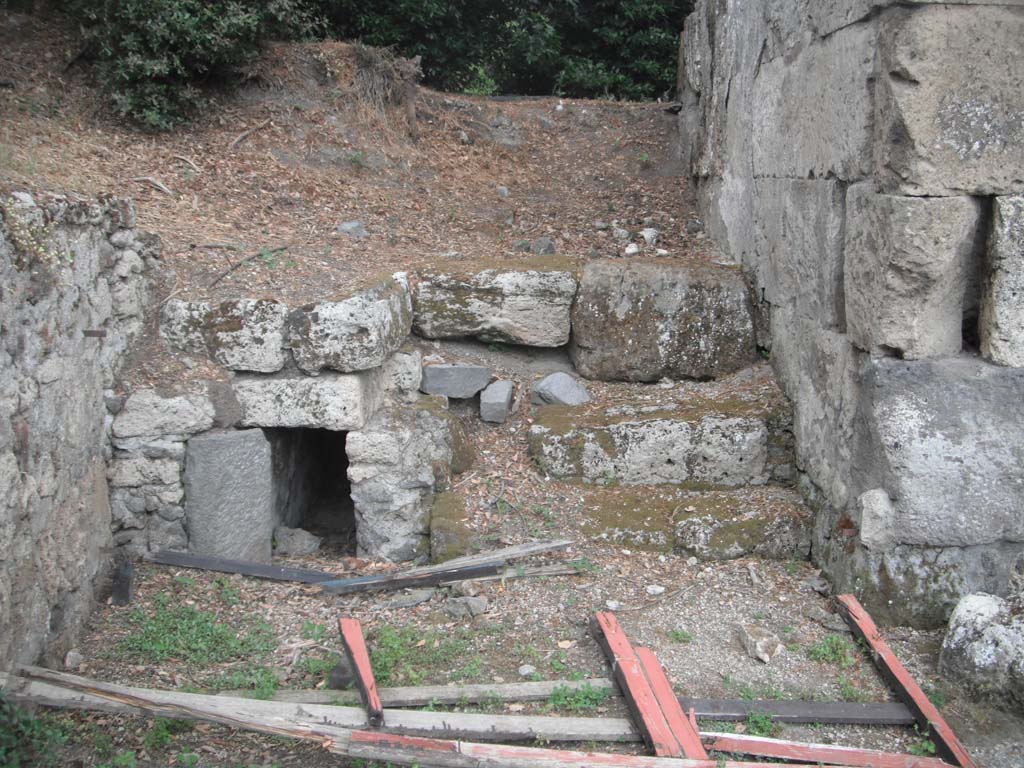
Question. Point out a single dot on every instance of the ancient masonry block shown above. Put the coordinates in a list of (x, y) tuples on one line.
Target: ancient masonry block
[(635, 321), (1002, 303), (909, 266), (147, 414), (949, 113), (339, 401), (242, 335), (529, 306)]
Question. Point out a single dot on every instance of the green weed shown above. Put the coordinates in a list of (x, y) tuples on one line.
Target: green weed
[(833, 650), (583, 699), (26, 740), (313, 631), (163, 731), (680, 636), (261, 681), (761, 724), (399, 655)]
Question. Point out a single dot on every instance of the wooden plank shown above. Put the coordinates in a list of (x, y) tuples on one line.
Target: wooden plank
[(53, 688), (682, 729), (359, 658), (244, 567), (405, 750), (824, 712), (458, 569), (903, 684), (821, 753), (639, 697)]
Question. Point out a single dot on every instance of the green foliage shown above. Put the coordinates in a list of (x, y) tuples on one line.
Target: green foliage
[(760, 724), (406, 654), (833, 650), (163, 731), (680, 636), (261, 681), (923, 748), (154, 56), (583, 699), (191, 636), (312, 630), (26, 740)]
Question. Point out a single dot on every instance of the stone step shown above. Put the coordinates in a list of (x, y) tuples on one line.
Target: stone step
[(725, 434), (768, 522)]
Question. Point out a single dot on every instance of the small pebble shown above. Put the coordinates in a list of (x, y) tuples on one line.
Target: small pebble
[(632, 249), (527, 670), (613, 605), (655, 589), (502, 192)]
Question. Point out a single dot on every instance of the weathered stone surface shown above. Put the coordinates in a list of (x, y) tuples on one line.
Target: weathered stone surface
[(984, 648), (242, 335), (640, 322), (396, 462), (759, 643), (354, 334), (454, 380), (950, 101), (945, 438), (770, 523), (147, 414), (294, 541), (814, 113), (799, 243), (143, 471), (1002, 305), (519, 307), (559, 388), (465, 607), (403, 373), (876, 517), (339, 401), (496, 401), (230, 495), (908, 271), (450, 534)]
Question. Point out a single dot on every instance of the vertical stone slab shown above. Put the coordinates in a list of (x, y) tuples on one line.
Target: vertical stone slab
[(909, 263), (949, 107), (229, 495), (1002, 303)]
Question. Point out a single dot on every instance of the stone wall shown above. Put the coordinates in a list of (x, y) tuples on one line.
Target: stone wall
[(74, 282), (864, 162)]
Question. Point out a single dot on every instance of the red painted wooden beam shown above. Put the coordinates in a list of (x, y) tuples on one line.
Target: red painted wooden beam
[(359, 658), (629, 674), (903, 684), (682, 728), (820, 753), (414, 750)]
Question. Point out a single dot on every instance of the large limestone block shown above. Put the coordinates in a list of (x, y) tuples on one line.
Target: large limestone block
[(1002, 303), (229, 495), (353, 334), (945, 438), (910, 271), (528, 306), (799, 229), (640, 321), (147, 414), (336, 401), (242, 335), (950, 101), (984, 648), (812, 114)]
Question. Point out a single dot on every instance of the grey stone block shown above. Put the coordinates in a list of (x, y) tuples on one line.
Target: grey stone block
[(147, 414), (295, 541), (945, 438), (910, 263), (949, 101), (353, 334), (339, 401), (529, 306), (496, 401), (636, 321), (229, 495), (559, 388), (1002, 303), (454, 380), (242, 335)]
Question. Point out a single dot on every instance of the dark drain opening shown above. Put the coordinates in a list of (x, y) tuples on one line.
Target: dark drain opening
[(312, 487)]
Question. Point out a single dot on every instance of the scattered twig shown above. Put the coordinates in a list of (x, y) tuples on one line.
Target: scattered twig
[(155, 183), (246, 260), (185, 160), (245, 134)]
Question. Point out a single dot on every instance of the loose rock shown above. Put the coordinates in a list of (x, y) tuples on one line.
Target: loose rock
[(295, 541), (353, 229), (543, 246), (759, 643), (496, 401), (559, 389), (465, 607), (454, 380)]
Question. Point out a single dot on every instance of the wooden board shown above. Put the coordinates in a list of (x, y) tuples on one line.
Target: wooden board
[(458, 569), (903, 684), (825, 712), (244, 567), (359, 658), (823, 753), (637, 690), (406, 750), (684, 731)]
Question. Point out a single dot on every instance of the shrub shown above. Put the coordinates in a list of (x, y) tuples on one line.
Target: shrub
[(26, 740), (154, 56)]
